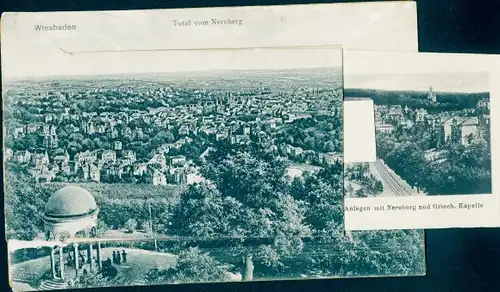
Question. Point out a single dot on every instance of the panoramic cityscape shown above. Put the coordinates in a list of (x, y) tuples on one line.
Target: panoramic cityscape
[(191, 176), (161, 136), (139, 158), (242, 171), (428, 143)]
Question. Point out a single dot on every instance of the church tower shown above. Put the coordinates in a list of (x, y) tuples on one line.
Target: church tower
[(230, 97), (431, 95)]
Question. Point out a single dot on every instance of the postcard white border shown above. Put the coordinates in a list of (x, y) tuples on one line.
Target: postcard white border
[(373, 26)]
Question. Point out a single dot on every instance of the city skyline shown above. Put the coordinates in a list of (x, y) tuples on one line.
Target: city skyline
[(158, 76), (177, 61), (125, 157)]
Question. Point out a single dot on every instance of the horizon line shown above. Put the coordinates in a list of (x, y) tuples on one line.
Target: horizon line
[(7, 79), (411, 90)]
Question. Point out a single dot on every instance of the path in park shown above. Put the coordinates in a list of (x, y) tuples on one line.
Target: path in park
[(393, 184), (139, 262), (132, 272)]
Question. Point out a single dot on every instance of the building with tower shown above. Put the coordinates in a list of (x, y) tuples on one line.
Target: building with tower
[(431, 95)]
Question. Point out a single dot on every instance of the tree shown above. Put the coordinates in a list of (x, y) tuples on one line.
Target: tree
[(131, 225), (76, 137), (394, 252), (360, 193), (162, 137), (323, 198), (192, 266), (24, 204), (204, 212), (58, 151), (97, 142), (126, 138), (379, 187), (31, 140), (246, 196), (101, 228), (62, 133), (89, 280), (88, 144), (329, 146), (455, 132), (309, 142), (74, 147), (459, 169)]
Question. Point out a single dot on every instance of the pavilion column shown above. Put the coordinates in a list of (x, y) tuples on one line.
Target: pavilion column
[(99, 259), (61, 262), (52, 263), (75, 253), (89, 257)]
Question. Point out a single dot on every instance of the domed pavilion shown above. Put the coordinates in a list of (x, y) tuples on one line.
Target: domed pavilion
[(71, 212)]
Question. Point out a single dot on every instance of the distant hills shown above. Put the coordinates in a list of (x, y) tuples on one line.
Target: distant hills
[(279, 78), (441, 81), (418, 99)]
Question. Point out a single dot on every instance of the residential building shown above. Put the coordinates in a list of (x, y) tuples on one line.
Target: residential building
[(468, 128), (384, 128)]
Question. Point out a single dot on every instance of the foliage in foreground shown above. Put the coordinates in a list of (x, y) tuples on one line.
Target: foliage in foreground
[(248, 197), (459, 169), (90, 280), (25, 201), (193, 265)]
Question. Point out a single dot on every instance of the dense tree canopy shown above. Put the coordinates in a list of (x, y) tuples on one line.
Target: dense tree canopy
[(320, 133), (193, 265), (246, 196), (24, 205), (458, 169), (454, 101)]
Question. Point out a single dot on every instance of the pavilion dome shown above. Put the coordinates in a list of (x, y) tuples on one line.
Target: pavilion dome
[(70, 201)]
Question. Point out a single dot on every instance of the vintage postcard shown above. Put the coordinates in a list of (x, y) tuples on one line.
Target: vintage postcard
[(231, 152), (241, 147), (434, 141)]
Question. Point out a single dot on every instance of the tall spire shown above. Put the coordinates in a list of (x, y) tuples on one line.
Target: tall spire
[(431, 95)]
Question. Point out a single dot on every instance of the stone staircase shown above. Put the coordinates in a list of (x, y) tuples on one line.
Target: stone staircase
[(52, 285), (138, 283)]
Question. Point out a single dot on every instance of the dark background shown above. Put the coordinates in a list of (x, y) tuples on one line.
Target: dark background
[(457, 259)]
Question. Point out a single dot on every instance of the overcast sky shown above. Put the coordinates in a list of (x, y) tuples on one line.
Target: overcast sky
[(416, 71), (178, 61)]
